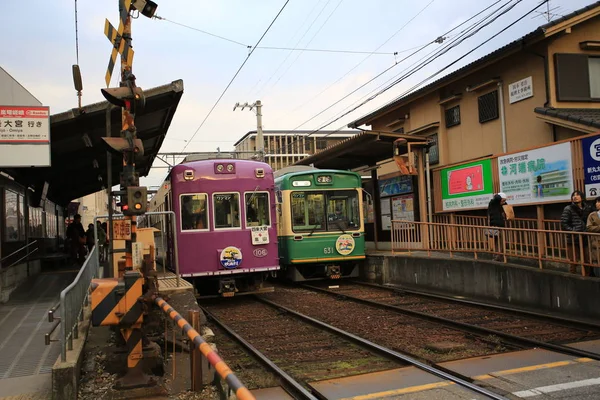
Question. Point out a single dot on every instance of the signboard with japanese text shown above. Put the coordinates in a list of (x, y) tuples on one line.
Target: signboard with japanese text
[(396, 185), (520, 90), (591, 166), (537, 176), (467, 186), (122, 229), (24, 136), (402, 208)]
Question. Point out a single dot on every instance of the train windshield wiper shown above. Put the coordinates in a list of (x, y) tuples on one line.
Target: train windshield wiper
[(339, 225), (313, 229)]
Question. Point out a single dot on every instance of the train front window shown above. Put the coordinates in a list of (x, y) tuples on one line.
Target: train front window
[(257, 209), (342, 210), (227, 210), (193, 212), (308, 211)]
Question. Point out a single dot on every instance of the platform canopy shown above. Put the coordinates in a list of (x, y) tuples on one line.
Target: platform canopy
[(363, 150), (78, 153)]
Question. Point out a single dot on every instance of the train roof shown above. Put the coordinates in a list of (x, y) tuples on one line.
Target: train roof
[(282, 175), (207, 166)]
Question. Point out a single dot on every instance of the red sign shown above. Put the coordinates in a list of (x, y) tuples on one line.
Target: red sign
[(465, 180)]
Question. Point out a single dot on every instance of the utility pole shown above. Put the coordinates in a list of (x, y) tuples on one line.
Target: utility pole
[(260, 145)]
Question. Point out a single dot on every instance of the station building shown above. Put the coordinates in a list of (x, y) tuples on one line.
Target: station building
[(283, 148), (517, 120)]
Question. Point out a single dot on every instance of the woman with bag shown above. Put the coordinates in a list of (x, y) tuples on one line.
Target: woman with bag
[(496, 218)]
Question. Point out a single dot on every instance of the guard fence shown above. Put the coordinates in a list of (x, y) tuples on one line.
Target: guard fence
[(541, 245)]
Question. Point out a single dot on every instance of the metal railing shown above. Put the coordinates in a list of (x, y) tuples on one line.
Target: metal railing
[(518, 223), (173, 226), (73, 299), (26, 247), (541, 245)]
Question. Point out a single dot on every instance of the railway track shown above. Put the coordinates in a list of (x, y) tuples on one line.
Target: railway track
[(509, 326), (301, 349)]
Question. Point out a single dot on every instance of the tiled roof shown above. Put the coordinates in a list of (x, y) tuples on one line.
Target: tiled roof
[(583, 116)]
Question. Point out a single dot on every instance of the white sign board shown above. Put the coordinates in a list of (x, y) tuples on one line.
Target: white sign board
[(260, 235), (537, 176), (24, 136), (520, 90), (137, 254)]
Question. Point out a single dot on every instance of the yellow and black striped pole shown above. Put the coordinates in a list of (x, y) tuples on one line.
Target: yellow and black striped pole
[(213, 358)]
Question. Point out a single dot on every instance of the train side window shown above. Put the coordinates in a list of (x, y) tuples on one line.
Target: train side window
[(257, 209), (227, 210), (193, 212)]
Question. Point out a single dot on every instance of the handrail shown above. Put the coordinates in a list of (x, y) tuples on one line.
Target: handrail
[(17, 251), (573, 248), (72, 301), (22, 258)]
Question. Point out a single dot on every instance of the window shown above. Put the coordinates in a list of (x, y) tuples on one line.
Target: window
[(258, 212), (321, 144), (193, 212), (577, 77), (330, 211), (453, 116), (227, 210), (488, 107), (308, 145), (11, 232), (594, 67)]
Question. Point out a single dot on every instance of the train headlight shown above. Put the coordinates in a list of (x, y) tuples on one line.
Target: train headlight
[(220, 168)]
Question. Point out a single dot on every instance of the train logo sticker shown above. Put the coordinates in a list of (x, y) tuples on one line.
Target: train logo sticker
[(231, 257), (344, 244)]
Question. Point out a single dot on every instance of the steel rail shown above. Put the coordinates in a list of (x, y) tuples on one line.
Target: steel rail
[(213, 358), (435, 370), (291, 385), (568, 322), (464, 326)]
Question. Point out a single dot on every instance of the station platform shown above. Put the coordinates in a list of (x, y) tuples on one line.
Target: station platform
[(26, 362), (538, 374)]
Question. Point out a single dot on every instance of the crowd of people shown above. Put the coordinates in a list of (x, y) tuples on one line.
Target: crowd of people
[(80, 242), (579, 216)]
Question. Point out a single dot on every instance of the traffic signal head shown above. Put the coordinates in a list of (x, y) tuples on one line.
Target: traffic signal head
[(146, 7), (137, 201), (131, 98)]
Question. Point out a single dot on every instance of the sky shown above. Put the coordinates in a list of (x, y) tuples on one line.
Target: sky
[(205, 42)]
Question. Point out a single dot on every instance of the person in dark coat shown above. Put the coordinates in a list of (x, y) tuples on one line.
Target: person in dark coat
[(574, 219), (496, 217), (77, 238)]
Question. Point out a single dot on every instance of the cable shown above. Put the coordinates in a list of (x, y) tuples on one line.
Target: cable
[(236, 74), (296, 45), (440, 52), (432, 75), (366, 58), (200, 30), (76, 35), (445, 49)]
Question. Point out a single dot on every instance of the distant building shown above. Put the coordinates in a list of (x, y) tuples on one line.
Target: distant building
[(92, 205), (283, 148)]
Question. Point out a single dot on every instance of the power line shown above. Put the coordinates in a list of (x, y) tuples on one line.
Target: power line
[(366, 58), (434, 74), (296, 45), (440, 52), (202, 31), (236, 74)]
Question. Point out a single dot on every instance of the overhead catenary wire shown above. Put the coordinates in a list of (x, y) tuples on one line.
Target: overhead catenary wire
[(366, 58), (460, 38), (428, 78), (236, 74)]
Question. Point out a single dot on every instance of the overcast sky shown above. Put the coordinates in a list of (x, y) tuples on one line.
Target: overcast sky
[(294, 86)]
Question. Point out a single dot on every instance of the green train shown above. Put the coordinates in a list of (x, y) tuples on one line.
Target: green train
[(320, 226)]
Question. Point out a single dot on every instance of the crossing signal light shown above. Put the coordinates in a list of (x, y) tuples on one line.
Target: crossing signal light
[(136, 201), (131, 98)]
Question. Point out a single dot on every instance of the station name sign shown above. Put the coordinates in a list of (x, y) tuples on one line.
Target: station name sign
[(24, 136)]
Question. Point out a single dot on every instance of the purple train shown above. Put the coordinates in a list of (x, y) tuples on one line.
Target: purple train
[(226, 224)]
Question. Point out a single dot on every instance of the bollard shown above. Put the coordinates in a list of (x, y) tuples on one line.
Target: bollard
[(195, 355)]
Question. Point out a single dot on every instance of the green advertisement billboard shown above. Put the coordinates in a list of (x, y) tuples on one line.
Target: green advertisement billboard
[(467, 186)]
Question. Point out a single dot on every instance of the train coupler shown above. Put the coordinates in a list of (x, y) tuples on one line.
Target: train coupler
[(227, 287), (334, 272)]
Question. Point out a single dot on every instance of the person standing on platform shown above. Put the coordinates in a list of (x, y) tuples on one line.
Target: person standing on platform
[(76, 235), (496, 218), (574, 219), (593, 225)]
